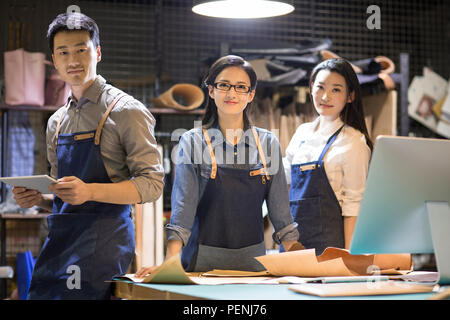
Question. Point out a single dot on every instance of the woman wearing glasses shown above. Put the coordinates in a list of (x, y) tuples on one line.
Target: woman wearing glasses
[(225, 170)]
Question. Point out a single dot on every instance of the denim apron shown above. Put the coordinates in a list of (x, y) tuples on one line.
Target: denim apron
[(314, 205), (228, 230), (87, 244)]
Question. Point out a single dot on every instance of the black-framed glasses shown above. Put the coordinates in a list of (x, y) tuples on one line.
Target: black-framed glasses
[(239, 88)]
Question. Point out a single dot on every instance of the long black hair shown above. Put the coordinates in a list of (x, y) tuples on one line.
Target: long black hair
[(211, 117), (353, 113)]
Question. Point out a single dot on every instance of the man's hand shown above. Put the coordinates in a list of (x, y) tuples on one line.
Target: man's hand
[(72, 190), (27, 198)]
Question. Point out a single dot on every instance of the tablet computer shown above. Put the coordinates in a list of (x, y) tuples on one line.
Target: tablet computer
[(38, 182)]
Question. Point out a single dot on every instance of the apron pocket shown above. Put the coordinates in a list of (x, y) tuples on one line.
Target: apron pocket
[(209, 258), (65, 260), (65, 249), (205, 171), (306, 213)]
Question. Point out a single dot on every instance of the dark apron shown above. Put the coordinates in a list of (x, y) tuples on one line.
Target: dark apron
[(228, 230), (314, 205), (95, 240)]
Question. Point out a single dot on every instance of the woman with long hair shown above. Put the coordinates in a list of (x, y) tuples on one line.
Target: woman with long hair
[(327, 160), (225, 170)]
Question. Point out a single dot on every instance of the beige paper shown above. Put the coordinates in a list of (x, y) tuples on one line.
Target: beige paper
[(302, 263), (235, 273), (231, 280), (333, 262), (172, 272)]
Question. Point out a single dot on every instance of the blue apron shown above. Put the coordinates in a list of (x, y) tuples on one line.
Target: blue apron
[(228, 230), (314, 205), (87, 244)]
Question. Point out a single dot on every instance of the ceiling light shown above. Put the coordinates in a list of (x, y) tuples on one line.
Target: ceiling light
[(242, 9)]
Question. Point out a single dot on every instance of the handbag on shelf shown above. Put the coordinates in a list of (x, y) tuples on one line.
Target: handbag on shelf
[(24, 77), (56, 90)]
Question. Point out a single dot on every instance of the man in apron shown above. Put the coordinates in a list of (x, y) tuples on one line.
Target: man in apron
[(101, 147)]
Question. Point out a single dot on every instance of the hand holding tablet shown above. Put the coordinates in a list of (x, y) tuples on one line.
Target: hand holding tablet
[(37, 182)]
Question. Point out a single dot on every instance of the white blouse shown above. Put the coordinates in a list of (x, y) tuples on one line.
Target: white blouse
[(346, 162)]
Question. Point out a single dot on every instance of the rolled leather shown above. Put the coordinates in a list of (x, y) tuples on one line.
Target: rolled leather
[(182, 96), (362, 264)]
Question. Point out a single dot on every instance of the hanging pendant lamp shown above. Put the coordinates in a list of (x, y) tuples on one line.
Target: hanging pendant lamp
[(242, 9)]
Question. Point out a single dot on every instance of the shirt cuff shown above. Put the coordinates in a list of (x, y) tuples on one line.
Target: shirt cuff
[(149, 188), (288, 233), (350, 209), (174, 232)]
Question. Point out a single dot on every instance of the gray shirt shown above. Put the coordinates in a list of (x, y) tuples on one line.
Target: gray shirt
[(127, 144)]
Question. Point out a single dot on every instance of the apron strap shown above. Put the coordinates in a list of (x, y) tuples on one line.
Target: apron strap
[(105, 116), (213, 157), (261, 153), (58, 124), (328, 145), (211, 152)]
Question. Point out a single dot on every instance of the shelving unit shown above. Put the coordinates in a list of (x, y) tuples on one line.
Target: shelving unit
[(4, 111), (401, 79), (3, 218), (168, 111)]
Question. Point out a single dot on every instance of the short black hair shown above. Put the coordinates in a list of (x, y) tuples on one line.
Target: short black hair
[(73, 22)]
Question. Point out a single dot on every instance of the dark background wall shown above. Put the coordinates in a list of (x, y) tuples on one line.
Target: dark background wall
[(163, 39)]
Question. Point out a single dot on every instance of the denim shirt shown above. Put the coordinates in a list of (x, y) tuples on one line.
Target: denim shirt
[(193, 170)]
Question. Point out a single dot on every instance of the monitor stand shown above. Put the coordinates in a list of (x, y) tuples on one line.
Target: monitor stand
[(439, 217)]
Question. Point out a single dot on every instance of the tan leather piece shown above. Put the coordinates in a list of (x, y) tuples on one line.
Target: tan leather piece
[(326, 54), (192, 97), (387, 65), (296, 246), (360, 264), (388, 82)]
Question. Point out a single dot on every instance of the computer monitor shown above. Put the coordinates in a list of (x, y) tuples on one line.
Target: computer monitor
[(405, 206)]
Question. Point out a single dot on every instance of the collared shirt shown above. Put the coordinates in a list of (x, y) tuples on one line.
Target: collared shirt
[(346, 163), (193, 170), (127, 143)]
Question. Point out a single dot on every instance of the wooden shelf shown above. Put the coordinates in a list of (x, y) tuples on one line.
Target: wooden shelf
[(169, 111), (23, 216), (4, 106), (165, 111)]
